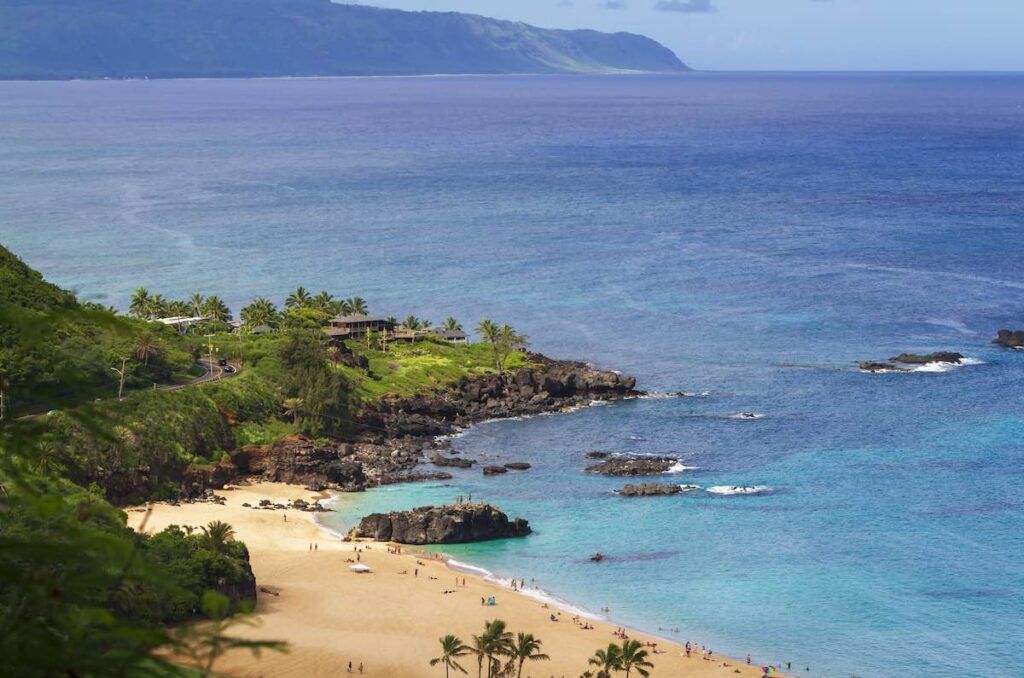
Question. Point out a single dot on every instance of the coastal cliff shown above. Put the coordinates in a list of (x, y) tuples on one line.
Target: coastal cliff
[(393, 437), (64, 39)]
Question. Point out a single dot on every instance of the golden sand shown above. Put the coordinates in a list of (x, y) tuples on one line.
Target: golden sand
[(389, 620)]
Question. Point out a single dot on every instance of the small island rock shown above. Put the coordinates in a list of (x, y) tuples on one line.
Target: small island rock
[(633, 465), (650, 490), (1010, 338), (517, 466)]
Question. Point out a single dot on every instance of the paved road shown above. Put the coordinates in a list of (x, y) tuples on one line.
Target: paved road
[(211, 372)]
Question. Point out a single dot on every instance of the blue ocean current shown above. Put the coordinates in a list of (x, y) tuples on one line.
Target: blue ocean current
[(748, 237)]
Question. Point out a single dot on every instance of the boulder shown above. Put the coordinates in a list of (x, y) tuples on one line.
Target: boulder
[(456, 462), (494, 470), (633, 465), (1010, 338), (517, 466), (441, 525)]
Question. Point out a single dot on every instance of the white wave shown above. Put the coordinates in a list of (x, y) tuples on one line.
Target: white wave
[(679, 467), (598, 403), (728, 490), (665, 395), (689, 488), (747, 415), (531, 591), (946, 367)]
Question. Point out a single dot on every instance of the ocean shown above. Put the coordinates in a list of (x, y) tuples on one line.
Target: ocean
[(743, 237)]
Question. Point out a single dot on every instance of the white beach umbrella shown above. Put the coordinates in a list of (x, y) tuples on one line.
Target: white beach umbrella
[(359, 567)]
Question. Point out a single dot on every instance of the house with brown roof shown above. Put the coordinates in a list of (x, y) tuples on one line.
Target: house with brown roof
[(356, 327)]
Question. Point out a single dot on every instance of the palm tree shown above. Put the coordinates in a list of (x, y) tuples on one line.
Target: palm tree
[(526, 647), (216, 309), (179, 308), (139, 305), (451, 323), (479, 648), (358, 305), (196, 303), (606, 661), (292, 408), (497, 643), (633, 656), (323, 301), (148, 347), (298, 299), (260, 312), (157, 306), (488, 331), (216, 536), (452, 648), (391, 320)]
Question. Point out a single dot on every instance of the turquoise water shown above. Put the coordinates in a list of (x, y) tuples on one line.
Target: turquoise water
[(745, 236)]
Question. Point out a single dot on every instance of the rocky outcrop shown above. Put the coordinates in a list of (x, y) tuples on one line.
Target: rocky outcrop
[(938, 357), (650, 490), (871, 366), (551, 385), (456, 524), (597, 455), (633, 465), (1010, 338), (197, 479), (391, 437), (517, 466), (897, 363), (494, 470), (241, 590)]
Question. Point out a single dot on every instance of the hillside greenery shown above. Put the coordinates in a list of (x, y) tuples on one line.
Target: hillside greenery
[(62, 39)]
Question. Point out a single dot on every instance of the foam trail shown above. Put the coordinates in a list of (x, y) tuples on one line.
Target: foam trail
[(730, 490), (533, 592)]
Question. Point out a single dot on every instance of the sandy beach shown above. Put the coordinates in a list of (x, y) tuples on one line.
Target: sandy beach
[(390, 619)]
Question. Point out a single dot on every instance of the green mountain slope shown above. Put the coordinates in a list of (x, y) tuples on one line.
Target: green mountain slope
[(59, 39)]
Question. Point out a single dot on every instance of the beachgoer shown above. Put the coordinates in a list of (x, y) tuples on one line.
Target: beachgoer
[(286, 517), (360, 668), (416, 572), (482, 601), (316, 547), (349, 669), (748, 660)]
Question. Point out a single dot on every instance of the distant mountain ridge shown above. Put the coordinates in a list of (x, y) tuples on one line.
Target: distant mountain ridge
[(63, 39)]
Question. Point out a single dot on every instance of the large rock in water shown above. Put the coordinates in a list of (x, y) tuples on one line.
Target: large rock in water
[(1010, 338), (937, 357), (650, 490), (633, 465), (456, 524)]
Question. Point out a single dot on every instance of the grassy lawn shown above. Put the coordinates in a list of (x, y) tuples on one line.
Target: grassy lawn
[(408, 369)]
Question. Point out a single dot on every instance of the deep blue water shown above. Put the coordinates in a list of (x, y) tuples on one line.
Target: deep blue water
[(749, 236)]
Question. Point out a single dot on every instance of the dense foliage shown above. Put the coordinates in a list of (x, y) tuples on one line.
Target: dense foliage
[(55, 352)]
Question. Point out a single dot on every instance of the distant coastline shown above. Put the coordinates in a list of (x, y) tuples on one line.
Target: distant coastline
[(98, 39)]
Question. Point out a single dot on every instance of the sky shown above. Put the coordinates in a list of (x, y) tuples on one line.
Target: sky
[(806, 35)]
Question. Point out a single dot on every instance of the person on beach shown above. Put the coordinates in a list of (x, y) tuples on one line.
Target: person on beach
[(360, 668), (689, 648), (286, 517), (349, 669), (316, 547), (416, 572)]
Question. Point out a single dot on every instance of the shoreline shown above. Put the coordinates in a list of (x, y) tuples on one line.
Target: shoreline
[(387, 619)]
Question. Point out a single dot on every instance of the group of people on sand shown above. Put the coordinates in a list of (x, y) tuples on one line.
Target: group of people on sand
[(583, 624), (488, 601), (350, 668), (314, 547)]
